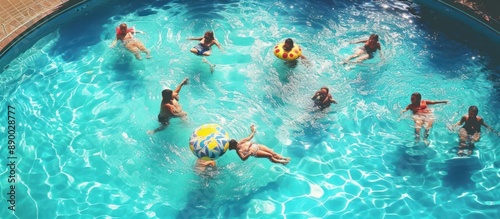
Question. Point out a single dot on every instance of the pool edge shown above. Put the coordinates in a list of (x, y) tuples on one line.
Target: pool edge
[(465, 17), (16, 35)]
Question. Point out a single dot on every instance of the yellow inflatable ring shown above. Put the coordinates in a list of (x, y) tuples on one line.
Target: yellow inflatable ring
[(295, 53)]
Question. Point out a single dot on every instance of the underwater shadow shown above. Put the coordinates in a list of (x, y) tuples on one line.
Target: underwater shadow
[(459, 172), (313, 131), (203, 204), (413, 160)]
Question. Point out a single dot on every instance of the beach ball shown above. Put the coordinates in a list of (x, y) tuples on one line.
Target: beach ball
[(209, 142)]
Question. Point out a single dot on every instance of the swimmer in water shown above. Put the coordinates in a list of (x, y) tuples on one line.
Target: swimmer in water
[(244, 148), (366, 51), (170, 107), (126, 35), (470, 133), (422, 115), (204, 47), (322, 98)]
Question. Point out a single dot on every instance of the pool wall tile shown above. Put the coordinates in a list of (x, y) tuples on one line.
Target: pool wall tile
[(18, 16)]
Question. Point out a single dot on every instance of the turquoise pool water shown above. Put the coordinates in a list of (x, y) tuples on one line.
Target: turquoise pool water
[(83, 111)]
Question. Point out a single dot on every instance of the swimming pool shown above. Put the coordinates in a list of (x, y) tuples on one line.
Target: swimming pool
[(82, 112)]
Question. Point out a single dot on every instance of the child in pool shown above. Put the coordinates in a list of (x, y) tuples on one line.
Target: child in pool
[(322, 98), (470, 133), (170, 107), (204, 47), (366, 51), (126, 35), (244, 148), (422, 115)]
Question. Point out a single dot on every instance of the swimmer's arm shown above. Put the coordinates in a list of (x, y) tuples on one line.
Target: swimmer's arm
[(361, 41), (315, 95), (242, 156), (406, 109), (252, 127), (380, 51), (218, 44), (178, 88), (462, 120), (137, 31), (171, 108), (199, 38), (436, 102), (113, 44), (487, 126), (211, 163), (330, 98)]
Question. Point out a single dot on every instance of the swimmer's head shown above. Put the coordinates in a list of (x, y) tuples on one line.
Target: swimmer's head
[(209, 35), (473, 111), (232, 144), (288, 44), (374, 37), (123, 26), (416, 97), (324, 90), (166, 94)]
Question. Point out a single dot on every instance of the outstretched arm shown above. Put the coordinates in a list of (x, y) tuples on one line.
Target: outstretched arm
[(137, 31), (436, 102), (178, 88), (361, 41), (252, 127), (406, 109), (197, 38)]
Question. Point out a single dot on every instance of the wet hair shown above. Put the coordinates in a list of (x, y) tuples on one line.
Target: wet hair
[(209, 35), (474, 109), (418, 96), (123, 26), (374, 36), (167, 94), (232, 144), (288, 41), (327, 90)]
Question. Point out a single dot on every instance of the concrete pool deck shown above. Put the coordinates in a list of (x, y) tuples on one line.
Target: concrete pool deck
[(18, 17)]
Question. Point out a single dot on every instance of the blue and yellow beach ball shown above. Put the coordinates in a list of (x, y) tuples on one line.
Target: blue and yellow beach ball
[(209, 142)]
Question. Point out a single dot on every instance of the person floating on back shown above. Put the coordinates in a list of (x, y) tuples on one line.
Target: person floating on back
[(470, 133), (170, 107), (126, 35), (366, 51), (244, 148), (322, 98), (422, 115), (204, 48)]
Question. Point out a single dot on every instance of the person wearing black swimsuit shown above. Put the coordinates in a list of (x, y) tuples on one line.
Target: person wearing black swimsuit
[(322, 98), (470, 133)]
